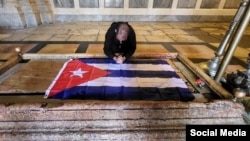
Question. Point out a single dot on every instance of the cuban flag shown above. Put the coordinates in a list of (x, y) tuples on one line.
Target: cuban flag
[(103, 79)]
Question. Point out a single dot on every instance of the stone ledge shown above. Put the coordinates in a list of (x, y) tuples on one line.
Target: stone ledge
[(125, 120)]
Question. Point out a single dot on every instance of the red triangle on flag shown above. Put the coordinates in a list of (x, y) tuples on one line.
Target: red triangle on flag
[(74, 73)]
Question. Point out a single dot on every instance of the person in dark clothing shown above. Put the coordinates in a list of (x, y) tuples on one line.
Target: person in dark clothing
[(120, 42)]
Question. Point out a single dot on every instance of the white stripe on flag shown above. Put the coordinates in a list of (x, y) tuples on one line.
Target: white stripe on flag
[(143, 67), (136, 82)]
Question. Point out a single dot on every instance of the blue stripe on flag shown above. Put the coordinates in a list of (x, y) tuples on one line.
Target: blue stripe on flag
[(105, 61), (131, 73), (125, 93)]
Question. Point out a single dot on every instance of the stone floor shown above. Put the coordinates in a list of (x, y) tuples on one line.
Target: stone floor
[(194, 39), (197, 41)]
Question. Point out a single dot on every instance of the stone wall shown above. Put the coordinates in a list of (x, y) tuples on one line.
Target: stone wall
[(25, 13), (29, 13)]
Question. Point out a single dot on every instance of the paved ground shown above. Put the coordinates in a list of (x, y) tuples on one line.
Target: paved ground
[(198, 41), (194, 39)]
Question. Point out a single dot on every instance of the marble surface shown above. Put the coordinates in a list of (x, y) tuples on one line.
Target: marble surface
[(138, 3), (210, 4), (64, 3), (26, 13), (195, 51), (89, 3), (1, 3), (186, 4), (59, 48), (232, 4), (114, 3), (194, 39), (162, 3)]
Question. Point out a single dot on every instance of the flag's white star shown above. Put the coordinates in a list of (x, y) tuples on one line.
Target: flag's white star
[(78, 72)]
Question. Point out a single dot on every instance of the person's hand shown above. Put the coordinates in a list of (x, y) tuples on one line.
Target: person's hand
[(119, 59)]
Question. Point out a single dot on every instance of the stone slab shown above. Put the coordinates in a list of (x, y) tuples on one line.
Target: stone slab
[(59, 48), (141, 48), (195, 51), (10, 48), (33, 77), (143, 120)]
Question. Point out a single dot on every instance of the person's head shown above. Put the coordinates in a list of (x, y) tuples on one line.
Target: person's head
[(122, 32)]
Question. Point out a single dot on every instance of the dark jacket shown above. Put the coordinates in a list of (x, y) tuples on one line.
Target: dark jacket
[(112, 45)]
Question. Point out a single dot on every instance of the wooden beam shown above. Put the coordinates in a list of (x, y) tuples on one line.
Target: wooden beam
[(13, 60), (216, 87), (29, 56), (5, 56)]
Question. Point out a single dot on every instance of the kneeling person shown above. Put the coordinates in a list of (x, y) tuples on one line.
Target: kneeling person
[(120, 42)]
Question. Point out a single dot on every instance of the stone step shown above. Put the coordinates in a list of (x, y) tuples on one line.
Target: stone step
[(134, 135), (108, 125), (112, 120)]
